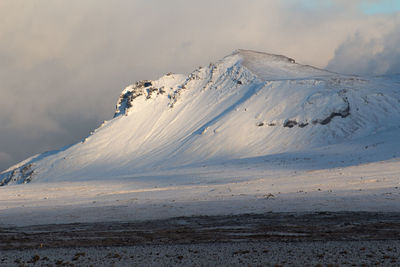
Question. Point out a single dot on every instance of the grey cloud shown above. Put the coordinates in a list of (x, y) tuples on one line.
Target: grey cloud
[(4, 157)]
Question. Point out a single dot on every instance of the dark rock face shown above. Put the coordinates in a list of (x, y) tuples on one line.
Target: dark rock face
[(343, 114), (147, 84), (289, 123)]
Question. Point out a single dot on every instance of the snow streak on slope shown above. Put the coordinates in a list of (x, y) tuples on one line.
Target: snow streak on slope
[(247, 105)]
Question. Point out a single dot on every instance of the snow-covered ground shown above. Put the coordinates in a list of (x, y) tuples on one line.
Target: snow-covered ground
[(280, 183), (251, 133)]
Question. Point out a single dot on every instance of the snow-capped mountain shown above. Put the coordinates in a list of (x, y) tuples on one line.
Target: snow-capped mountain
[(247, 105)]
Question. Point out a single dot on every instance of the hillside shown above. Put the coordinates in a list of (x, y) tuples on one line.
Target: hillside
[(251, 133), (247, 105)]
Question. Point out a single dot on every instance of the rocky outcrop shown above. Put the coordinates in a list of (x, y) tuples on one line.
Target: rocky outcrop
[(343, 114), (21, 175), (140, 88)]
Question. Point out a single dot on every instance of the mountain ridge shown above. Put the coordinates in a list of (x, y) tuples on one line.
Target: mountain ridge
[(248, 104)]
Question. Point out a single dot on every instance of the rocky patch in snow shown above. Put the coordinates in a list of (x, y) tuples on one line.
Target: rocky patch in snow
[(21, 175)]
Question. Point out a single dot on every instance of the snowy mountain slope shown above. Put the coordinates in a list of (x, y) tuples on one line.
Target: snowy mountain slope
[(247, 105)]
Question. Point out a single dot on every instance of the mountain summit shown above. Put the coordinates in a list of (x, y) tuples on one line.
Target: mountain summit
[(247, 105)]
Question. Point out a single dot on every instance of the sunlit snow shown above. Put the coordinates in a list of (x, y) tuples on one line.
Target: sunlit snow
[(252, 132)]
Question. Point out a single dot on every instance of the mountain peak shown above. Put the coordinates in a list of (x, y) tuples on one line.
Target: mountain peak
[(250, 55), (249, 104), (277, 67)]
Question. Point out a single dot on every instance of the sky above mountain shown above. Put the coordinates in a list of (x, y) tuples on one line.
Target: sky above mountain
[(64, 63)]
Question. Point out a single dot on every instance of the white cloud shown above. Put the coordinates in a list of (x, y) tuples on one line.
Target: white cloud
[(372, 51)]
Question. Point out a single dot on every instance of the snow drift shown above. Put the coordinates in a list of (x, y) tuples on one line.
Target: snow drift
[(247, 105)]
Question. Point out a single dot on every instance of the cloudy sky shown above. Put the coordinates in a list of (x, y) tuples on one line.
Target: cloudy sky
[(64, 63)]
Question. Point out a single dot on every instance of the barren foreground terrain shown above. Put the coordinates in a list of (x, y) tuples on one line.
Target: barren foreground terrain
[(271, 239)]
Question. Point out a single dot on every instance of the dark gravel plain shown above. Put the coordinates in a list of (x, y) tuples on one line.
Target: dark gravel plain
[(280, 239)]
